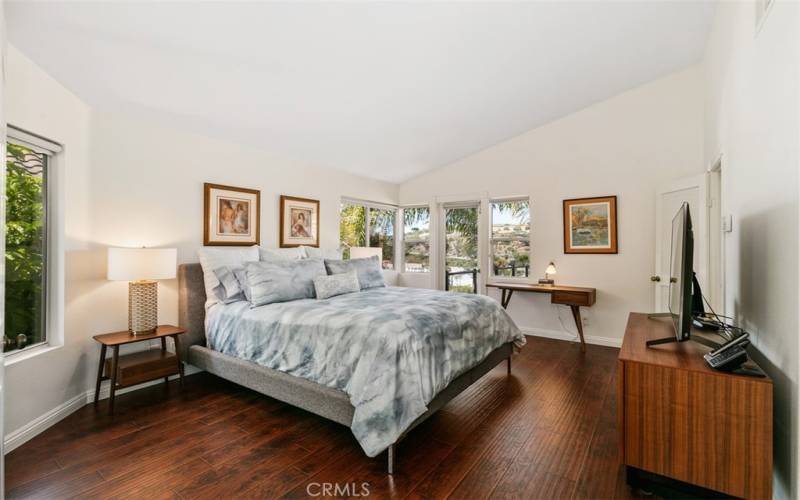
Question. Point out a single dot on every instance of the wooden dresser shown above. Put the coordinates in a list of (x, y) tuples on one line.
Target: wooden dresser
[(682, 420)]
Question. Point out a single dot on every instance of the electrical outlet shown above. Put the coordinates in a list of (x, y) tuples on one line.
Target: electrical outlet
[(585, 319)]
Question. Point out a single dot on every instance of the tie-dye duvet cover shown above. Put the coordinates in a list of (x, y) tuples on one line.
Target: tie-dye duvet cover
[(391, 350)]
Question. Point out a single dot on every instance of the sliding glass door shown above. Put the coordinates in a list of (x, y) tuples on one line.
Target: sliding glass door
[(461, 248)]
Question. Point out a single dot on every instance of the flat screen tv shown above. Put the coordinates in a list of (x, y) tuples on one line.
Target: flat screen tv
[(681, 273)]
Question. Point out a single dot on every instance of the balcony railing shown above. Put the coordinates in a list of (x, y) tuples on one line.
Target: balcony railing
[(473, 272), (514, 267)]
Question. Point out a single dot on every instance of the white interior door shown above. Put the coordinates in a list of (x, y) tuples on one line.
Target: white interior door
[(669, 199)]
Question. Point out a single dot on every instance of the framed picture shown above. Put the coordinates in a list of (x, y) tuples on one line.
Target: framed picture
[(231, 215), (590, 225), (299, 222)]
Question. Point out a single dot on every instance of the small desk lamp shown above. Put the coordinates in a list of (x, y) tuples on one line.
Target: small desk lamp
[(551, 270), (141, 267)]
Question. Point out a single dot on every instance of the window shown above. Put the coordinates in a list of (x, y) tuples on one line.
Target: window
[(368, 224), (381, 233), (26, 245), (416, 239), (352, 227), (510, 241)]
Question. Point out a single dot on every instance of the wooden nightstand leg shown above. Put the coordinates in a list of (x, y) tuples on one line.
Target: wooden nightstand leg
[(114, 364), (100, 373), (178, 356), (164, 348)]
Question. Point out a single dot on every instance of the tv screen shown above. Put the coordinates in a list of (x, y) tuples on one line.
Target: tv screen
[(680, 283)]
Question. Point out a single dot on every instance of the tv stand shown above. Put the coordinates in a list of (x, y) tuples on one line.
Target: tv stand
[(682, 420), (668, 340)]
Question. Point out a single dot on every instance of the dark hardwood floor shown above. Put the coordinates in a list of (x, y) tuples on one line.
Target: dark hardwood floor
[(547, 431)]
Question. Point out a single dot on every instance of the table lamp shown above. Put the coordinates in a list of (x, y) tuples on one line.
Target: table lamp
[(366, 252), (551, 270), (141, 267)]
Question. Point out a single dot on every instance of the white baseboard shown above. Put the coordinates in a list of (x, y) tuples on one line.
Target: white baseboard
[(18, 437), (560, 335)]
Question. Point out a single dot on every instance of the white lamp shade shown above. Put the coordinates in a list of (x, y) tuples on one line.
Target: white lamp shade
[(133, 264), (365, 252), (551, 269)]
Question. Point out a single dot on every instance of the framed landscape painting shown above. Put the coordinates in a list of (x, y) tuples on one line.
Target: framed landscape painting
[(231, 215), (299, 222), (590, 225)]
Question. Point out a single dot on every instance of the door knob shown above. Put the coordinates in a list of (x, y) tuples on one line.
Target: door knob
[(655, 279)]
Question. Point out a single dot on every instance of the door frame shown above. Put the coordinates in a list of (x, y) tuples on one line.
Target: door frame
[(699, 221), (718, 299), (442, 204)]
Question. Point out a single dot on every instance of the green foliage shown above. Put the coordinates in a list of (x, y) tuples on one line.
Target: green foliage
[(381, 225), (352, 227), (24, 243), (462, 237)]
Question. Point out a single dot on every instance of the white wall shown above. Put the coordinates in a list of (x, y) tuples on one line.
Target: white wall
[(36, 102), (753, 120), (135, 183), (2, 230), (625, 146)]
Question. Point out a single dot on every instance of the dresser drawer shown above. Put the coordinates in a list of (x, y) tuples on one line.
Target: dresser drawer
[(572, 298)]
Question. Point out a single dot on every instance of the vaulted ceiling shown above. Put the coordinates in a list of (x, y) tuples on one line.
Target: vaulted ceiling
[(385, 90)]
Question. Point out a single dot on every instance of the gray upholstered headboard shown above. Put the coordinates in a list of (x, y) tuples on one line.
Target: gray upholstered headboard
[(191, 307)]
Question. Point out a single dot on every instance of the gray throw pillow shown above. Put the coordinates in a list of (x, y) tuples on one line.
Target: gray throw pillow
[(282, 280), (336, 284), (229, 289), (241, 277), (370, 274)]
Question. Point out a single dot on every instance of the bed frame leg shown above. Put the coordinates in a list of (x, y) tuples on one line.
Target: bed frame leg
[(390, 468), (509, 365)]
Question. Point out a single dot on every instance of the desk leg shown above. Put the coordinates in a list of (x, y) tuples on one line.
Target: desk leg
[(576, 314), (114, 364), (505, 297), (100, 373), (178, 355)]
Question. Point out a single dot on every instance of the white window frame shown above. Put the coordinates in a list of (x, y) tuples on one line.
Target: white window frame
[(492, 278), (377, 206), (443, 203), (402, 249), (54, 240)]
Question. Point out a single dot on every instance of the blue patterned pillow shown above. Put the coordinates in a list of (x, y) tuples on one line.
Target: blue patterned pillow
[(336, 284), (370, 274), (282, 280), (229, 289), (241, 277)]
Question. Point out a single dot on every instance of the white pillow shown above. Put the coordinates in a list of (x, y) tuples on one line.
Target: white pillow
[(293, 253), (323, 253), (212, 258)]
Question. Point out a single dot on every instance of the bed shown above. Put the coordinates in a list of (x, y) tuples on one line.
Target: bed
[(315, 354)]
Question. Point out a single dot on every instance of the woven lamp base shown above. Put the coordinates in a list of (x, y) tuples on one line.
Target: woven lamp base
[(142, 307)]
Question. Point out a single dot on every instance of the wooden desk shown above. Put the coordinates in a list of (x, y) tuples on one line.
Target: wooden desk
[(571, 296), (682, 420)]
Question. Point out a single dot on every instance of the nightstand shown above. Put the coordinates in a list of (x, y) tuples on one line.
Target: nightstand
[(138, 367)]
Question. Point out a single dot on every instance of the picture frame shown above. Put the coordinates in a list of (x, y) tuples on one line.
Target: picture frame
[(231, 215), (299, 223), (590, 225)]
